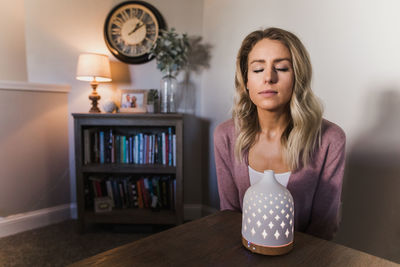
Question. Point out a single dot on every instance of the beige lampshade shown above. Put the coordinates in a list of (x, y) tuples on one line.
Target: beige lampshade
[(93, 67)]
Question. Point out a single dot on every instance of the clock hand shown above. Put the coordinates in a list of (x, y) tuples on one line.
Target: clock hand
[(136, 28)]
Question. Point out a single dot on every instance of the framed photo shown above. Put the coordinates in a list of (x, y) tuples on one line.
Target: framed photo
[(133, 101)]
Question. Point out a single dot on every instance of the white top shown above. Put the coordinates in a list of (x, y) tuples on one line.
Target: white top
[(255, 176)]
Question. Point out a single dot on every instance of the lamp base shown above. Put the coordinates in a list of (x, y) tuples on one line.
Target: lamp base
[(271, 251), (94, 97)]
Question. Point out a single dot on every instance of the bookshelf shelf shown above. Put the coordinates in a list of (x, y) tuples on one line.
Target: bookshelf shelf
[(128, 168), (103, 142)]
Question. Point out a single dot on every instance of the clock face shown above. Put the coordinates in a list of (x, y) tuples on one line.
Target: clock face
[(131, 29)]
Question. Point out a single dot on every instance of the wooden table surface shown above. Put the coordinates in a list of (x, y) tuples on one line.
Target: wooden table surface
[(215, 240)]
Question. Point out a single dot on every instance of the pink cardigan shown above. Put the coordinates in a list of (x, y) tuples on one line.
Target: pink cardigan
[(316, 188)]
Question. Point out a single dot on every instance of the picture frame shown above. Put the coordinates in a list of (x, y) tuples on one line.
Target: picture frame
[(133, 101)]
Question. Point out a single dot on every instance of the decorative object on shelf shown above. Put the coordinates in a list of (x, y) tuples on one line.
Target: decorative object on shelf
[(102, 204), (109, 106), (131, 29), (170, 51), (152, 101), (133, 101), (93, 68), (268, 217)]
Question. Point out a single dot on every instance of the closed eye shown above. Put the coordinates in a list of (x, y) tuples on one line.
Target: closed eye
[(257, 71), (282, 69)]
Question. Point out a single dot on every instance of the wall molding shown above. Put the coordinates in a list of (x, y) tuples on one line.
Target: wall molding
[(22, 222), (34, 87)]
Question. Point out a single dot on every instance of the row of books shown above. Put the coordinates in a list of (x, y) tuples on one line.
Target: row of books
[(107, 146), (157, 192)]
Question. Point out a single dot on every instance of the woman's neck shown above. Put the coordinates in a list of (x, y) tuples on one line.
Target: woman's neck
[(272, 123)]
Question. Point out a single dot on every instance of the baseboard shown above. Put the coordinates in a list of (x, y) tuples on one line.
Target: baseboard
[(34, 219)]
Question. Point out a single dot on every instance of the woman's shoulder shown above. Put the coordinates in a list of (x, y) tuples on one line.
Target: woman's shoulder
[(226, 128), (332, 133)]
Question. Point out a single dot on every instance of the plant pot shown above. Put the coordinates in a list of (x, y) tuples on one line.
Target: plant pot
[(168, 90)]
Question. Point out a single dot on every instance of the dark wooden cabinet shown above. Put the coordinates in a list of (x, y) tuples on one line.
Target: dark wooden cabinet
[(127, 124)]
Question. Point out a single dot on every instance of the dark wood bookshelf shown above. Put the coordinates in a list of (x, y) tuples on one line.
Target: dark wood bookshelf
[(128, 122)]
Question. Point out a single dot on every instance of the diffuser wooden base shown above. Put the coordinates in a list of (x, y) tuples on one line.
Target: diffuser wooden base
[(272, 251)]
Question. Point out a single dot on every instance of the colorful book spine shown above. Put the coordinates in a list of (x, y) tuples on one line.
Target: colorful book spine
[(174, 149), (170, 146), (141, 148), (136, 143), (164, 149), (101, 137)]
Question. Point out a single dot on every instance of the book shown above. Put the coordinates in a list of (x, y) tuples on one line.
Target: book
[(170, 146), (123, 149), (117, 198), (174, 150), (110, 192), (156, 190), (134, 194), (102, 156), (145, 192), (96, 152), (139, 192), (113, 149), (164, 149)]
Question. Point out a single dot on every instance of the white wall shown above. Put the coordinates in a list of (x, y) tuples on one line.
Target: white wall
[(34, 171), (354, 48), (12, 42), (58, 31)]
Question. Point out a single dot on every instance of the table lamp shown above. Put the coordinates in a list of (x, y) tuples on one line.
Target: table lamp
[(268, 217), (93, 68)]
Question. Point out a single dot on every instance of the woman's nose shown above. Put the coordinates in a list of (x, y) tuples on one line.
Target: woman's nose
[(270, 75)]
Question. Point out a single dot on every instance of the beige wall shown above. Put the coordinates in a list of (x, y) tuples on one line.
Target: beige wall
[(55, 39), (12, 41), (354, 48), (34, 171)]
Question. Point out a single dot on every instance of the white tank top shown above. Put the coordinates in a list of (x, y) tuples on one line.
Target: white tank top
[(255, 176)]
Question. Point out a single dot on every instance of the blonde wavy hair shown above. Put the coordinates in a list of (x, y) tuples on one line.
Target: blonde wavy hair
[(303, 132)]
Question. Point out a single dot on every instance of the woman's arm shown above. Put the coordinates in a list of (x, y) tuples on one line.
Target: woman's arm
[(228, 192), (325, 211)]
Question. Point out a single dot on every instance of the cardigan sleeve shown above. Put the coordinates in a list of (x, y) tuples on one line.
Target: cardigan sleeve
[(325, 211), (227, 189)]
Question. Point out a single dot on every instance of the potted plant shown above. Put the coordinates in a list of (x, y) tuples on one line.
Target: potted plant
[(170, 51), (152, 101)]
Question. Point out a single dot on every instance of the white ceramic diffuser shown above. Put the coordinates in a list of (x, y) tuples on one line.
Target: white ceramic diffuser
[(268, 217)]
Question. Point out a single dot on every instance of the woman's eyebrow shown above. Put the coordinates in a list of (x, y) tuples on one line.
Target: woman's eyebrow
[(275, 60), (282, 59)]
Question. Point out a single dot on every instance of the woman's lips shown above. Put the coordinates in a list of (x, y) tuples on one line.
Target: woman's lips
[(268, 93)]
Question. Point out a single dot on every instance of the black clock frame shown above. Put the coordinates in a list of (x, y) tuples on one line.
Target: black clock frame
[(127, 59)]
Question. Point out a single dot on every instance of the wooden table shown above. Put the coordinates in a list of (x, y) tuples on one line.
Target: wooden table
[(215, 240)]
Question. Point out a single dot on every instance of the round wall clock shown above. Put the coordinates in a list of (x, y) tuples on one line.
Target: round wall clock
[(131, 29)]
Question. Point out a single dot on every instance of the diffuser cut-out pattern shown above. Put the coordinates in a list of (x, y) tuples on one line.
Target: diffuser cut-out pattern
[(268, 218)]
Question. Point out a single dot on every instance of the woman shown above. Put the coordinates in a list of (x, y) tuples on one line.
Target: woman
[(277, 125)]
